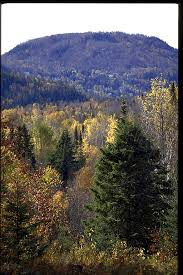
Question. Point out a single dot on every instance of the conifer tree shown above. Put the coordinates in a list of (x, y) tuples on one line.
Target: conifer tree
[(131, 192), (63, 159), (19, 241), (76, 137), (80, 138), (80, 157), (23, 145), (78, 147)]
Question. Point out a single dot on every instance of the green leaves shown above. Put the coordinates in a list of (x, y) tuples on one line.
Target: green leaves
[(130, 184)]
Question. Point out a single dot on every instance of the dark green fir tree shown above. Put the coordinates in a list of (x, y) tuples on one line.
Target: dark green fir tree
[(81, 159), (80, 138), (20, 243), (78, 147), (22, 145), (131, 193), (63, 159), (76, 137)]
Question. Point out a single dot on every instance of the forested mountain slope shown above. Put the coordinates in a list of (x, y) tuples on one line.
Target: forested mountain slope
[(21, 90), (103, 63)]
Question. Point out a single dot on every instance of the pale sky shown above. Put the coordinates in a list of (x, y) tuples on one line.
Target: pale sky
[(22, 22)]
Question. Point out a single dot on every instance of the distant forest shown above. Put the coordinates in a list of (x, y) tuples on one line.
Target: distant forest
[(21, 90), (98, 63)]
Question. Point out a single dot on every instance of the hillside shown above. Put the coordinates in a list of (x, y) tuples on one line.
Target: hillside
[(112, 63), (21, 90)]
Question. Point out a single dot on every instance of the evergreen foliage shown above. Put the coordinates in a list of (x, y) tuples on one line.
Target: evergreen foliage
[(76, 137), (22, 144), (80, 138), (131, 191), (78, 147), (80, 157), (172, 219), (63, 159), (19, 89), (19, 238)]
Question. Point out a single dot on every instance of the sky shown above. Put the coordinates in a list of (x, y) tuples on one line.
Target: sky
[(24, 21)]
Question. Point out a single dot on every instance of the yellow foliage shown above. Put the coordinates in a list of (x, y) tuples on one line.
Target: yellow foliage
[(59, 201), (54, 118), (112, 124), (50, 177), (159, 117), (12, 116), (75, 124), (158, 107), (95, 130), (12, 169), (84, 178)]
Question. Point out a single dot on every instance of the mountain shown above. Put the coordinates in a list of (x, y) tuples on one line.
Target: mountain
[(20, 90), (111, 63)]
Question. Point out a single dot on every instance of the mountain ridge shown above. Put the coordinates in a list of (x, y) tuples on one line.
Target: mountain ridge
[(112, 63), (89, 32)]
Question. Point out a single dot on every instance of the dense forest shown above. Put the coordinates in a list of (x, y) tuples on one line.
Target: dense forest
[(88, 186), (112, 63), (20, 90)]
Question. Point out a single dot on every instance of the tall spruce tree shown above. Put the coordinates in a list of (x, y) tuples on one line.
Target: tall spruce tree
[(76, 137), (19, 240), (22, 144), (63, 159), (80, 138), (78, 148), (131, 192)]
